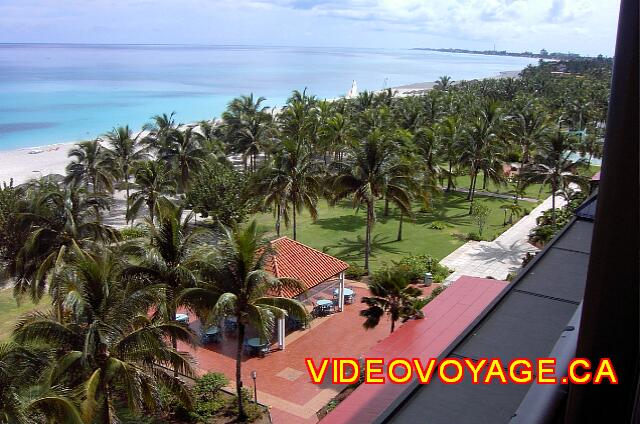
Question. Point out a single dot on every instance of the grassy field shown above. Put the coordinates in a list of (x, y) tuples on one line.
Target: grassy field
[(339, 230), (533, 191), (10, 311)]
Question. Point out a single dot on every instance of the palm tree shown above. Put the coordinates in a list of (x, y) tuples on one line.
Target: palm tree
[(368, 175), (91, 166), (514, 209), (160, 130), (591, 144), (153, 180), (443, 83), (248, 128), (107, 347), (478, 148), (184, 153), (451, 131), (125, 153), (391, 294), (270, 185), (56, 218), (25, 396), (528, 127), (169, 258), (239, 286), (554, 166), (297, 177)]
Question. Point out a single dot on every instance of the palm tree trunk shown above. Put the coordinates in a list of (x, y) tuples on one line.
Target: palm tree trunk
[(295, 233), (399, 238), (472, 192), (553, 204), (473, 176), (242, 416), (106, 412), (151, 205), (393, 325), (126, 182), (484, 179), (367, 238), (386, 206), (184, 178), (449, 179), (278, 220), (174, 341)]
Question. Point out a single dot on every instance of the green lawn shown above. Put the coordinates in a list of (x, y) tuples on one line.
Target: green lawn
[(339, 230), (533, 191), (10, 311)]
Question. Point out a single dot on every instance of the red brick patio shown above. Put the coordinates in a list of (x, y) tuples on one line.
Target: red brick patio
[(283, 381)]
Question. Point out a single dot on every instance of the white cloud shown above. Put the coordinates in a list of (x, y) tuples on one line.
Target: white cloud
[(578, 25)]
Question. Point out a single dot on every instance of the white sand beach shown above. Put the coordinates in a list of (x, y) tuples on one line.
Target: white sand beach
[(34, 162)]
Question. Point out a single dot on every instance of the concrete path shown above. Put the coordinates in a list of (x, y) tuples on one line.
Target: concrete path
[(499, 257)]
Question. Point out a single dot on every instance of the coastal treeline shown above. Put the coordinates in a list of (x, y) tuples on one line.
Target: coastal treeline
[(109, 346)]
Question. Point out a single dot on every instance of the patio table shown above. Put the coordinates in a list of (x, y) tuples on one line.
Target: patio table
[(212, 335), (324, 303), (212, 331), (255, 342), (183, 318), (346, 292)]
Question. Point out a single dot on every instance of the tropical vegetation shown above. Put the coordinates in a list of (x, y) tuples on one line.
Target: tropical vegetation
[(104, 342)]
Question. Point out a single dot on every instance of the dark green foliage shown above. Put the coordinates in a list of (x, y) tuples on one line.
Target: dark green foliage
[(546, 228), (208, 399), (474, 237), (218, 191), (391, 294), (11, 203), (415, 266), (131, 233), (437, 225), (252, 411), (355, 272)]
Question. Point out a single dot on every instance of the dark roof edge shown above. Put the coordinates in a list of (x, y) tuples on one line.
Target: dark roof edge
[(413, 386), (542, 402)]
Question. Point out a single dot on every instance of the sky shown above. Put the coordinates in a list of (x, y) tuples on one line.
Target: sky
[(587, 27)]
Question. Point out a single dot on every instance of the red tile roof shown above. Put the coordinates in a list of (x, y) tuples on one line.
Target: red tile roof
[(445, 318), (301, 262)]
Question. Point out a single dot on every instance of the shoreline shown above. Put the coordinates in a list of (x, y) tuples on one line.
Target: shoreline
[(25, 163)]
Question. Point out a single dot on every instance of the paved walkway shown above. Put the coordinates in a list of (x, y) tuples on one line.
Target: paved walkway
[(283, 381), (497, 258)]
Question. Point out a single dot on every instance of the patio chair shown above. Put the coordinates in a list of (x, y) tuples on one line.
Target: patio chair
[(264, 350), (230, 326)]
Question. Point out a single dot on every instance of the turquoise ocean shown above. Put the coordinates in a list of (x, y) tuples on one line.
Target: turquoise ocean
[(52, 93)]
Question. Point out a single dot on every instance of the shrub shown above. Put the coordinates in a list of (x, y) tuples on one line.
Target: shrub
[(133, 233), (208, 399), (437, 225), (415, 267), (355, 272), (218, 191), (333, 403), (252, 410), (210, 383), (474, 236), (480, 213)]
